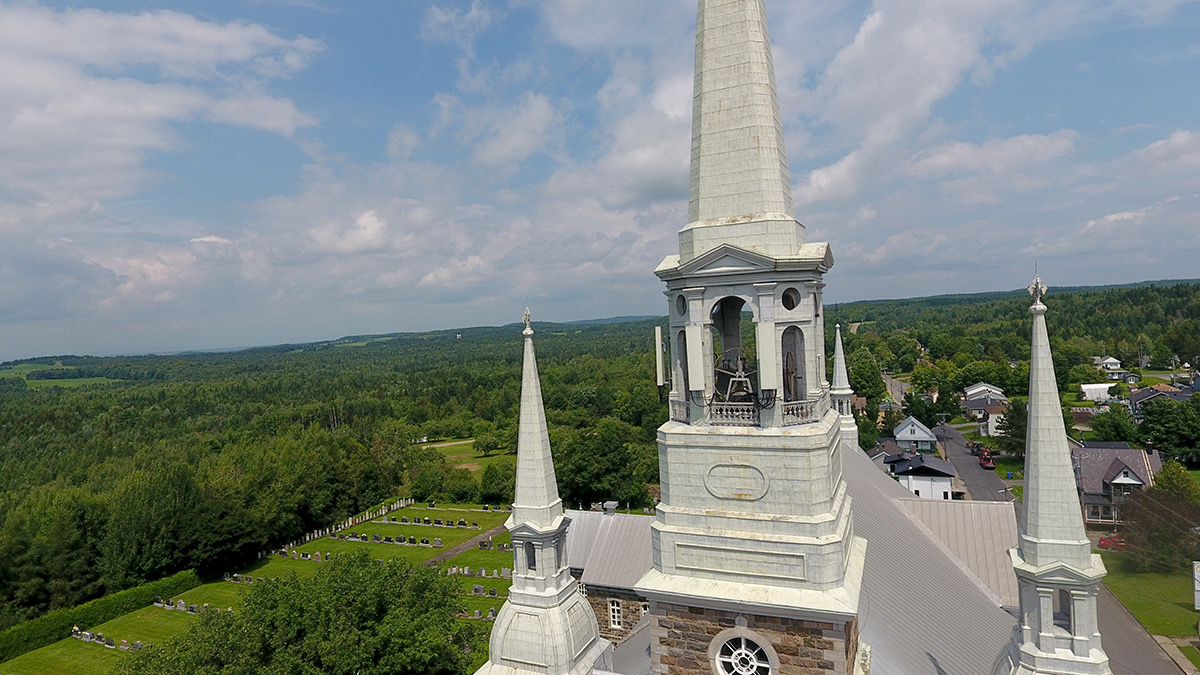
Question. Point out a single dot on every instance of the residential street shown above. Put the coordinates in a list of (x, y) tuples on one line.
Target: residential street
[(981, 484), (895, 388)]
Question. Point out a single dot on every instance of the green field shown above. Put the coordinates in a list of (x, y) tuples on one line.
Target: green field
[(1160, 602), (462, 454), (22, 370)]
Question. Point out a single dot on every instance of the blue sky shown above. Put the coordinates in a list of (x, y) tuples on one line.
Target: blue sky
[(244, 172)]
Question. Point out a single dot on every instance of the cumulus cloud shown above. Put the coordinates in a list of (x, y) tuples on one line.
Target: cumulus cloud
[(517, 132)]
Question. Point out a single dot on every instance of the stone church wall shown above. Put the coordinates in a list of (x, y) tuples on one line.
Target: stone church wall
[(631, 611), (684, 635)]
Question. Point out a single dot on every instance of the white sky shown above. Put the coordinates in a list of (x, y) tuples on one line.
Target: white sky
[(246, 172)]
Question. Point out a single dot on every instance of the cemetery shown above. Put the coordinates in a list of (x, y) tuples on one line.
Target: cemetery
[(167, 617)]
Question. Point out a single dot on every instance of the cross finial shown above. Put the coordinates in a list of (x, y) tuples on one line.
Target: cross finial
[(1038, 289), (527, 319)]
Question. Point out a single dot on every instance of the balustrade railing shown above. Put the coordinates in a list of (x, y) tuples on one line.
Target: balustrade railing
[(804, 412), (733, 414)]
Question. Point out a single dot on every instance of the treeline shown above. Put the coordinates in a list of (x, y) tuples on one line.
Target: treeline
[(201, 461)]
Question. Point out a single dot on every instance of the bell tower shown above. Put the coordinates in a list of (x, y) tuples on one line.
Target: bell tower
[(754, 545)]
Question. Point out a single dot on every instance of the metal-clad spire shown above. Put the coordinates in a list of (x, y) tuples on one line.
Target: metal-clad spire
[(537, 500), (841, 380), (1051, 521), (741, 188)]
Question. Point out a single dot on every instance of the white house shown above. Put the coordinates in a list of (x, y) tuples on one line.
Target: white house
[(912, 435), (1097, 392), (926, 476)]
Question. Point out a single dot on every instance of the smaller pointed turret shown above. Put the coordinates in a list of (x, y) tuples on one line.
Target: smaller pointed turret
[(546, 627), (1057, 573), (840, 391), (537, 501)]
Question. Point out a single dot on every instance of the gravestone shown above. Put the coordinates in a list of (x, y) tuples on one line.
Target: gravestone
[(392, 519), (237, 578), (508, 508), (412, 540), (424, 541), (387, 540), (482, 572), (492, 592), (99, 638), (431, 504), (437, 521), (428, 521), (158, 601), (491, 614), (475, 525), (137, 645), (294, 555), (495, 574), (484, 545), (226, 577), (181, 606), (476, 616), (404, 519), (169, 604), (476, 590), (191, 609), (333, 536), (437, 543), (124, 645), (306, 556), (258, 580), (249, 580), (88, 635), (376, 537), (363, 538), (317, 556), (505, 573), (468, 572), (462, 523), (110, 643), (486, 507)]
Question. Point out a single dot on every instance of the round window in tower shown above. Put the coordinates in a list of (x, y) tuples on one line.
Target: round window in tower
[(743, 656), (791, 299), (681, 305)]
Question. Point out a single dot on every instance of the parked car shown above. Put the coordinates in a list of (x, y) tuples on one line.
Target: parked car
[(1113, 543)]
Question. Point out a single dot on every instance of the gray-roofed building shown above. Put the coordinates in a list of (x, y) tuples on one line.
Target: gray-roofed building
[(608, 557), (1108, 473)]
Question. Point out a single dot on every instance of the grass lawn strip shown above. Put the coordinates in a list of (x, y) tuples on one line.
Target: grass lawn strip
[(1160, 602), (65, 656)]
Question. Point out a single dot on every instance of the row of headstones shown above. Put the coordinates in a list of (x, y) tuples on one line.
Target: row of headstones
[(98, 638), (503, 573), (436, 522), (351, 522), (304, 555), (486, 545), (249, 580), (379, 539), (476, 589), (180, 605), (491, 615), (507, 509)]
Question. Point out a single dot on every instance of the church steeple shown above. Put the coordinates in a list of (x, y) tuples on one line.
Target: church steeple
[(546, 627), (741, 188), (840, 391), (1057, 573)]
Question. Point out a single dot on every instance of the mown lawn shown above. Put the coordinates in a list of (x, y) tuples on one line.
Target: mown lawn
[(149, 624), (1160, 602), (463, 455)]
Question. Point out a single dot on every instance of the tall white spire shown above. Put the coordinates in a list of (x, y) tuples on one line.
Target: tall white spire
[(537, 500), (546, 627), (1057, 573), (741, 189)]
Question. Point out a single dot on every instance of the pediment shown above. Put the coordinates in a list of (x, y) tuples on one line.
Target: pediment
[(728, 259)]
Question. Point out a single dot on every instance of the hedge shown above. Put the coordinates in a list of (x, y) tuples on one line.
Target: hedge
[(54, 626)]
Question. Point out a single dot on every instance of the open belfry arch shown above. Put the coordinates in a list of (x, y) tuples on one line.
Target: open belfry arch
[(754, 543)]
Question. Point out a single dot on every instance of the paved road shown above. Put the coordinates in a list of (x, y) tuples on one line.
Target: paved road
[(895, 387), (981, 484), (465, 546)]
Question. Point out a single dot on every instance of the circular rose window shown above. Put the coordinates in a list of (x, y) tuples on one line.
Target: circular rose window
[(741, 656)]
